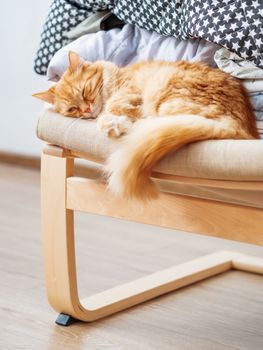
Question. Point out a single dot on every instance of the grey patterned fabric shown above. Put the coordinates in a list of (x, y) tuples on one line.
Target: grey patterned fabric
[(163, 17), (63, 16), (235, 24)]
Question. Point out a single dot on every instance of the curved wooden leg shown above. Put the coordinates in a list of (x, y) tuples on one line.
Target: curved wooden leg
[(60, 266), (248, 263), (58, 234)]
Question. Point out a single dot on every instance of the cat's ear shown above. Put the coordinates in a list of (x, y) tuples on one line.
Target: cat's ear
[(75, 62), (47, 96)]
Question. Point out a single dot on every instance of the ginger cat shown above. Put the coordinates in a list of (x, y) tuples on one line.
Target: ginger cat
[(161, 106)]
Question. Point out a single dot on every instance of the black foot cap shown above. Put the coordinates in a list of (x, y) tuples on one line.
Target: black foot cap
[(65, 320)]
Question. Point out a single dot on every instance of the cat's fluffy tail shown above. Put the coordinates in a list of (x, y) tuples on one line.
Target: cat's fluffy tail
[(130, 166)]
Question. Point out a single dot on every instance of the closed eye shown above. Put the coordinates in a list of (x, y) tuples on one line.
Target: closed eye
[(72, 109)]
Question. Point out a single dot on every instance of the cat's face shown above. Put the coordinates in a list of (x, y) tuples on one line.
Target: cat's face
[(79, 91)]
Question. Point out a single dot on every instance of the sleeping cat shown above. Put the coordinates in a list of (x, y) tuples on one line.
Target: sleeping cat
[(161, 106)]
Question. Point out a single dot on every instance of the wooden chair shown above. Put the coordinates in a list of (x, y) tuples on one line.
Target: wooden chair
[(62, 193)]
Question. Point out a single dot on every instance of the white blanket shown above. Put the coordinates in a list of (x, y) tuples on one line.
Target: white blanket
[(251, 75), (131, 44)]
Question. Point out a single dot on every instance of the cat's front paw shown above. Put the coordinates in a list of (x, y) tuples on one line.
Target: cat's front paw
[(114, 126)]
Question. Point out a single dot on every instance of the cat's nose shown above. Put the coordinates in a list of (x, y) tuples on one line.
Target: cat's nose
[(87, 110)]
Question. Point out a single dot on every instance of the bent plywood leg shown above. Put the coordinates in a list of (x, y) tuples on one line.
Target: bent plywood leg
[(248, 263), (60, 266), (58, 234)]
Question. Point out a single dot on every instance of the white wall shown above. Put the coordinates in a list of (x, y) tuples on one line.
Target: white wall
[(21, 22)]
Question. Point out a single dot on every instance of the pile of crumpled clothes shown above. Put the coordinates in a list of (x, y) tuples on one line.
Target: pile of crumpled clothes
[(129, 45), (233, 24), (251, 76)]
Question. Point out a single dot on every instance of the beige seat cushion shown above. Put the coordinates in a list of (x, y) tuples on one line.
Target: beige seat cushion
[(221, 159)]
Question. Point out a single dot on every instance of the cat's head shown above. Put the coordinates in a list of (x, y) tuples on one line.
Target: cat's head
[(79, 91)]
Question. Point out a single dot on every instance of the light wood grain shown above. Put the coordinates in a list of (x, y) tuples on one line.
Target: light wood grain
[(221, 313), (58, 187), (211, 218), (58, 234), (159, 283), (228, 184), (248, 263), (60, 265)]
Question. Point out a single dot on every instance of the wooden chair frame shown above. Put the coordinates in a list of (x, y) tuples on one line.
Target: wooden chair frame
[(62, 193)]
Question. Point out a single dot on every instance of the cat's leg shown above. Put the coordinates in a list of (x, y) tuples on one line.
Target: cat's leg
[(114, 126), (121, 110)]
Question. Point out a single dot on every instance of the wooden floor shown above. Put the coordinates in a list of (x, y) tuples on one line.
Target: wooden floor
[(225, 312)]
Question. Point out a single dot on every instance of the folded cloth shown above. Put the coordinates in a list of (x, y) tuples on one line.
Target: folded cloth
[(250, 75), (63, 17), (236, 25), (256, 100), (231, 63), (259, 115), (103, 20), (260, 128), (129, 45)]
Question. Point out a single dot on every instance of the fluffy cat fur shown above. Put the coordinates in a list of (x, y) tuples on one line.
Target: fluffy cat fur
[(160, 106)]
